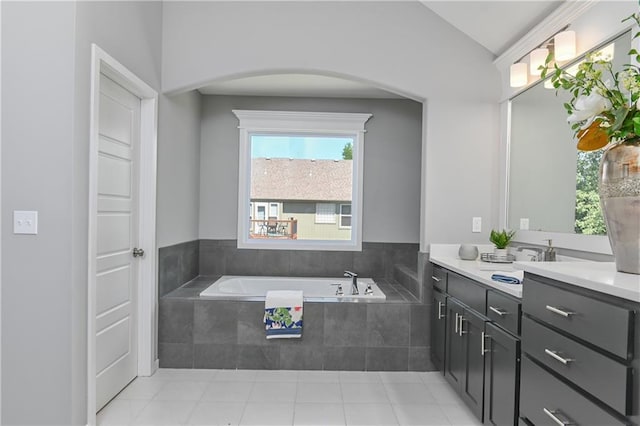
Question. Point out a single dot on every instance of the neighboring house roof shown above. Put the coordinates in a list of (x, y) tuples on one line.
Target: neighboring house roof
[(300, 179)]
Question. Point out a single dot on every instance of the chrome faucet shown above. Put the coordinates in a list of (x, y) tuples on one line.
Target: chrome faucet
[(354, 281), (538, 257)]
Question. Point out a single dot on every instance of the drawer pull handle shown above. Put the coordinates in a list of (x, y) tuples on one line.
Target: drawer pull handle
[(456, 324), (461, 330), (498, 311), (554, 417), (554, 355), (436, 279), (440, 314), (483, 349), (565, 314)]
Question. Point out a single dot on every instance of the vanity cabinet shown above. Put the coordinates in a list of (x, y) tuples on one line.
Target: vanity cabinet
[(581, 356), (474, 341), (438, 329), (464, 357), (502, 379)]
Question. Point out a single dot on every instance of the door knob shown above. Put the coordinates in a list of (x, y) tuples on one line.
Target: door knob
[(138, 252)]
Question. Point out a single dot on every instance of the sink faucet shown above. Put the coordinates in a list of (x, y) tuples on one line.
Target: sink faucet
[(538, 257), (354, 281)]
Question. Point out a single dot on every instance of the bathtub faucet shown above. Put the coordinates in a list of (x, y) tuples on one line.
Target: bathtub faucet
[(354, 281)]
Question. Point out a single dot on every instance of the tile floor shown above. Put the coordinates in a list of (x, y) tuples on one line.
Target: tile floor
[(265, 397)]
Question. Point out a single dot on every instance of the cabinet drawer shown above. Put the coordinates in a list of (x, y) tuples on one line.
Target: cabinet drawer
[(468, 292), (597, 374), (601, 323), (504, 311), (543, 397), (439, 278)]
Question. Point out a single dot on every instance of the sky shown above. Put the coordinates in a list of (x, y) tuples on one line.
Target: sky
[(310, 147)]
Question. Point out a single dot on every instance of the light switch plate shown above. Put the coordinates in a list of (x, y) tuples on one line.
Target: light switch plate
[(524, 223), (25, 222), (476, 224)]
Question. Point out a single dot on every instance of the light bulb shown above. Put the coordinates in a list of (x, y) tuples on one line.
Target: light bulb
[(564, 45), (518, 74), (537, 58)]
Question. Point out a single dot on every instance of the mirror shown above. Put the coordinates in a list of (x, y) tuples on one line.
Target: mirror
[(552, 186)]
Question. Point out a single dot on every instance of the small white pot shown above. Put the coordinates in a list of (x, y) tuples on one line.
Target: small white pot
[(500, 253)]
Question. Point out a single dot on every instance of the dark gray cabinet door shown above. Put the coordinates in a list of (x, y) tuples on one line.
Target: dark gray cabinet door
[(472, 391), (468, 291), (438, 329), (454, 362), (501, 376), (546, 400), (439, 278)]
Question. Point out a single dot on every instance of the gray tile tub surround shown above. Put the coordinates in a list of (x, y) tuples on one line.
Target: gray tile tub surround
[(222, 257), (195, 333), (177, 264)]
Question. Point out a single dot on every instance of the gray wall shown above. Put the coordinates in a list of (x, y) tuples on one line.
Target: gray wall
[(178, 169), (37, 165), (46, 79), (462, 171), (392, 152)]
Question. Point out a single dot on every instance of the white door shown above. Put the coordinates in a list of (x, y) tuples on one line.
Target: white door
[(261, 214), (116, 277)]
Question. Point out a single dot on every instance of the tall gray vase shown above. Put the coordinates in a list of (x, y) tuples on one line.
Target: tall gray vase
[(620, 201)]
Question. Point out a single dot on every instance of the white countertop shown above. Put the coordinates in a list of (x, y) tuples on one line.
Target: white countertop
[(472, 269), (597, 276), (446, 255)]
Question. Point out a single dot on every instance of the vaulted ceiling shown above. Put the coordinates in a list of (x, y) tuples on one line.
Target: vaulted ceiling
[(495, 25)]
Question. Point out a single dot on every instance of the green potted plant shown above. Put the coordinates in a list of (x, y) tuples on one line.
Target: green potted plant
[(501, 240)]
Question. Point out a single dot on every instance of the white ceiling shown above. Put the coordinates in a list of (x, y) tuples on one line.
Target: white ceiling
[(496, 25)]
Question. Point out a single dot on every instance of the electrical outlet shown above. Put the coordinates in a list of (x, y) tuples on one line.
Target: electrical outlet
[(25, 222), (476, 224), (524, 223)]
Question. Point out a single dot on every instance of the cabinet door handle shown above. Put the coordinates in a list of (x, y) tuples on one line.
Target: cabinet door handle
[(554, 355), (436, 279), (483, 349), (554, 417), (460, 328), (498, 311), (558, 311), (440, 314), (456, 323)]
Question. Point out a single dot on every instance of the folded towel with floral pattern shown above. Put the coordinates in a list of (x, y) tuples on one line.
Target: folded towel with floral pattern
[(283, 314)]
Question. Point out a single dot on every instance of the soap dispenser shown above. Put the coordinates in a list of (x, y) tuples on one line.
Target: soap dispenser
[(550, 253)]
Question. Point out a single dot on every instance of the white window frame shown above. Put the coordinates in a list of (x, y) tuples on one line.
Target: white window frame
[(311, 124), (340, 216), (322, 217)]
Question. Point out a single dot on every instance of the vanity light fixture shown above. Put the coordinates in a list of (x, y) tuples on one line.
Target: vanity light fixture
[(537, 59), (518, 74), (564, 45)]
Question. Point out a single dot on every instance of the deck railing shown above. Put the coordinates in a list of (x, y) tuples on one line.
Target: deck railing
[(274, 228)]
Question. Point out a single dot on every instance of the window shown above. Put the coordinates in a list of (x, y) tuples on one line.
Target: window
[(325, 213), (345, 215), (273, 210), (305, 169)]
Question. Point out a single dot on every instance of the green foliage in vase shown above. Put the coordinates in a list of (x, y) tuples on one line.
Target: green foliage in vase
[(588, 218), (604, 106), (501, 239)]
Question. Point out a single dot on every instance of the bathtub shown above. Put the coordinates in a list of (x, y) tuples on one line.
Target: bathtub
[(314, 289)]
